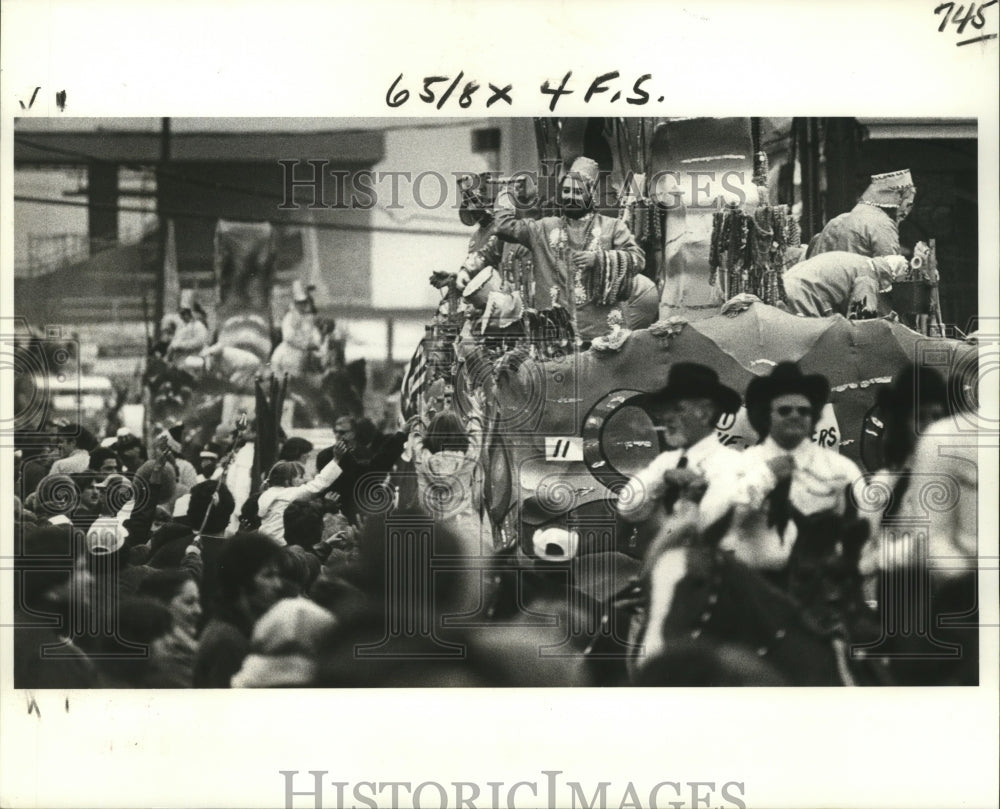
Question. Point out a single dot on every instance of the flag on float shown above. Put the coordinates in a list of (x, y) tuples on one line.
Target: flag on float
[(414, 382)]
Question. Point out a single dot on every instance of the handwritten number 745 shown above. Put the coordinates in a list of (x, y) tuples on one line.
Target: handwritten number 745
[(973, 15)]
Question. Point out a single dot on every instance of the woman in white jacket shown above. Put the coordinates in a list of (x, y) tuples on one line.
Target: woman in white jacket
[(285, 483)]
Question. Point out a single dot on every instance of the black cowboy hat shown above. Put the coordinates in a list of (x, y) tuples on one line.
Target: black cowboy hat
[(692, 380), (785, 378)]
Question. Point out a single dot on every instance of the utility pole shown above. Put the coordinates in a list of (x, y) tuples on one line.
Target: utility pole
[(161, 256), (808, 151)]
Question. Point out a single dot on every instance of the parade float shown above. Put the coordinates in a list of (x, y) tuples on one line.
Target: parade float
[(564, 431)]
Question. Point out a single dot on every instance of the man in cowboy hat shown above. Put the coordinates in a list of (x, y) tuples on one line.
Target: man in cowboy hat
[(591, 261), (785, 473), (192, 335), (299, 334), (871, 228), (687, 408)]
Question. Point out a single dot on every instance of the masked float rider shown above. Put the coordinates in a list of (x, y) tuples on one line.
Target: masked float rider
[(485, 248), (871, 228), (592, 260), (498, 266), (840, 283)]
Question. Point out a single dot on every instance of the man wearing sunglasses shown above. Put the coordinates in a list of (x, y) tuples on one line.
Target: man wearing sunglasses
[(785, 475)]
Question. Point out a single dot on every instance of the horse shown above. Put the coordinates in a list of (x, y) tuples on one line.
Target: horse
[(571, 595), (701, 617)]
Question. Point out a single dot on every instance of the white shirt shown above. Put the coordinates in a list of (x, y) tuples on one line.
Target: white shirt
[(644, 491), (272, 502), (819, 483), (239, 479)]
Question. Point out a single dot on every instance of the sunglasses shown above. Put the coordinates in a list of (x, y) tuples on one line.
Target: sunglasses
[(787, 410)]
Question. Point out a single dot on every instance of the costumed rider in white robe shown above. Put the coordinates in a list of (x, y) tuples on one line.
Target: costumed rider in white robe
[(299, 334), (192, 334)]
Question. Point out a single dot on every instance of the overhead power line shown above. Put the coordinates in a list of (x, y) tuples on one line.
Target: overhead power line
[(179, 214)]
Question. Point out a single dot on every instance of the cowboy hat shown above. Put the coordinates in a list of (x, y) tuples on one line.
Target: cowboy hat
[(785, 378), (692, 380)]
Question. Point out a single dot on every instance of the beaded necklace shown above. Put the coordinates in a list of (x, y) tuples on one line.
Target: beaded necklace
[(589, 240)]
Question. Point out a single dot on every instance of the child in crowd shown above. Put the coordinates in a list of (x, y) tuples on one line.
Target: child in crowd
[(286, 483)]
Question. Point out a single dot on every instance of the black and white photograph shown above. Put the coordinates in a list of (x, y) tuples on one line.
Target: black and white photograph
[(532, 411), (496, 411)]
